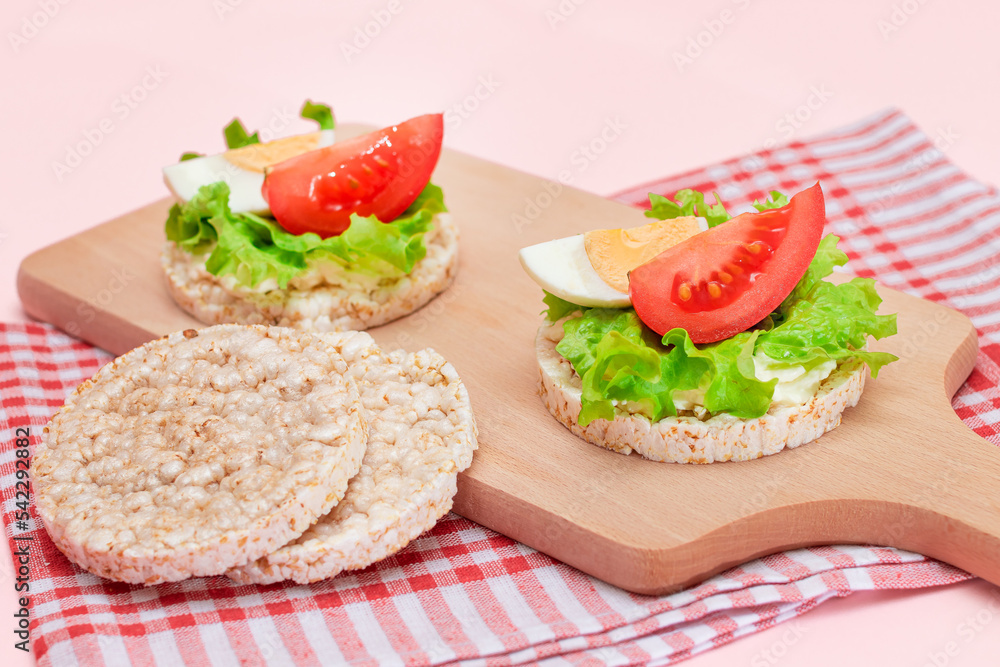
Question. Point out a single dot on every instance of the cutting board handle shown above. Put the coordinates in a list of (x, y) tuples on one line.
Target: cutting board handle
[(951, 509), (954, 515)]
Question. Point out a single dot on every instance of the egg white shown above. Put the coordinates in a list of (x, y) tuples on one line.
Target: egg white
[(185, 178), (562, 267)]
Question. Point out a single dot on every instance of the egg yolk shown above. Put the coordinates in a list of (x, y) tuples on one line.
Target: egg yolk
[(615, 252), (257, 157)]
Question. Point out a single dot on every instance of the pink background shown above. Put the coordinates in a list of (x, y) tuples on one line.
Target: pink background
[(555, 73)]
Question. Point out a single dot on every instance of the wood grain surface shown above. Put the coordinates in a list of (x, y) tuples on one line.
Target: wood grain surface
[(902, 470)]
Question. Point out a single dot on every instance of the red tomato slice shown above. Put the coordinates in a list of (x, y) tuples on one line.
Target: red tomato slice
[(376, 174), (723, 281)]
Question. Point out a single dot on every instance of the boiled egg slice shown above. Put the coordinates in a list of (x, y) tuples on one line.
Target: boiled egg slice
[(592, 269), (242, 168)]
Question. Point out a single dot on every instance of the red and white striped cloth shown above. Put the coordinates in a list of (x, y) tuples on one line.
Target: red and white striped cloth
[(464, 593)]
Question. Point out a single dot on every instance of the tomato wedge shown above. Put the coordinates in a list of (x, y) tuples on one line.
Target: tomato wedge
[(725, 280), (378, 174)]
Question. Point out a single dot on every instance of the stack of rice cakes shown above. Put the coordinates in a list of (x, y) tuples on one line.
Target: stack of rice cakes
[(263, 453)]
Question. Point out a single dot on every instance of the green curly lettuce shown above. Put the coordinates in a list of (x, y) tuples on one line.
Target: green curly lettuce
[(236, 134), (319, 112), (692, 202), (687, 202), (254, 249), (774, 200), (621, 361), (557, 308)]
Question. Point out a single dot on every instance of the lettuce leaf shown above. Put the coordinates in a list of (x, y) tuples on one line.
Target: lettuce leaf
[(692, 202), (831, 322), (775, 200), (828, 255), (236, 135), (621, 361), (557, 308), (319, 112), (688, 202), (254, 249)]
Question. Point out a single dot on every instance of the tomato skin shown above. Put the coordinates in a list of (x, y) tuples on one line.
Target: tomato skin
[(380, 174), (682, 287)]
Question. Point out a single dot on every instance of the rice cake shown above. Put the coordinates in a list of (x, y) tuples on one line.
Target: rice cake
[(199, 452), (686, 438), (421, 434), (317, 301)]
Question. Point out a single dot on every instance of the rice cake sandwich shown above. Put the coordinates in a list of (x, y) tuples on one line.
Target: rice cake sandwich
[(704, 337), (198, 452), (308, 233), (421, 434)]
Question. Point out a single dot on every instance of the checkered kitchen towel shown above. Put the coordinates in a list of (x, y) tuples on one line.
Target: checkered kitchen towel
[(462, 592)]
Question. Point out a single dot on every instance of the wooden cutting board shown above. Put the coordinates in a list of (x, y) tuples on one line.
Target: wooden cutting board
[(902, 469)]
